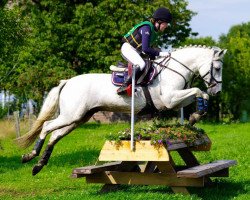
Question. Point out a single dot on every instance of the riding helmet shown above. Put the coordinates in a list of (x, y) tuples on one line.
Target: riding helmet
[(163, 14)]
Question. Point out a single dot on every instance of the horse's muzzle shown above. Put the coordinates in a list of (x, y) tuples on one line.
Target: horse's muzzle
[(214, 89)]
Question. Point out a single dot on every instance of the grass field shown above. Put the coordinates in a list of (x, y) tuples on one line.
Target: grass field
[(81, 148)]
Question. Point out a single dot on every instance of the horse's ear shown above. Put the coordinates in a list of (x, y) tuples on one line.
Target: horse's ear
[(224, 51), (220, 53)]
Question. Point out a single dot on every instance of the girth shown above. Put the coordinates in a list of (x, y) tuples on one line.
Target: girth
[(149, 107)]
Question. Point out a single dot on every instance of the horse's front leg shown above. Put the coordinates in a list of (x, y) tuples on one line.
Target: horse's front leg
[(181, 98), (201, 108)]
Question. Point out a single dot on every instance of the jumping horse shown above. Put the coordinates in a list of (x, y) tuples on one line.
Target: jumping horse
[(80, 97)]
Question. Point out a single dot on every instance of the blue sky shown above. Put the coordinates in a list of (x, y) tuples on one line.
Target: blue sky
[(216, 17)]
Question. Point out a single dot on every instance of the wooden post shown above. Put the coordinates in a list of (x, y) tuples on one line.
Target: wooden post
[(17, 123), (3, 99), (30, 112)]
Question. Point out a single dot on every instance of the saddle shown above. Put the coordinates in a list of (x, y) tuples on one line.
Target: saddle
[(121, 71)]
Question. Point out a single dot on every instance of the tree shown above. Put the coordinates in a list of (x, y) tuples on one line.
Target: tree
[(75, 36), (207, 41), (12, 34), (236, 74)]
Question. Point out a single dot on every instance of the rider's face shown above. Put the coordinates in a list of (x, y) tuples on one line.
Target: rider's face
[(161, 26)]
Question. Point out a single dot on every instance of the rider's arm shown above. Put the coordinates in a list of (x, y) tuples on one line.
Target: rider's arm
[(145, 32)]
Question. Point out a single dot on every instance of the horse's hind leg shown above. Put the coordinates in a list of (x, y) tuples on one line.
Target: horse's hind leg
[(48, 127), (59, 132), (35, 152), (55, 137)]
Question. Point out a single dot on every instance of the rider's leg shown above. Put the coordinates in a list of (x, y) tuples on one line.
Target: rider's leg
[(131, 55)]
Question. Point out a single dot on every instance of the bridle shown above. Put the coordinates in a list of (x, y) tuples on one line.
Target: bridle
[(212, 78), (210, 71)]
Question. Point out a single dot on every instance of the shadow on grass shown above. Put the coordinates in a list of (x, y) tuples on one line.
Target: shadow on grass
[(79, 157), (75, 158), (10, 163), (136, 189), (221, 189)]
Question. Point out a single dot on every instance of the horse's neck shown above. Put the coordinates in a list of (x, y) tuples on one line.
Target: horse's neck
[(192, 58), (183, 64)]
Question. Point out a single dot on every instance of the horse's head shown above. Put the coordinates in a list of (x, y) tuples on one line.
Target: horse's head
[(212, 72)]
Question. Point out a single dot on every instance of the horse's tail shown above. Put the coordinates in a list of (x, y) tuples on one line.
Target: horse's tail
[(48, 110)]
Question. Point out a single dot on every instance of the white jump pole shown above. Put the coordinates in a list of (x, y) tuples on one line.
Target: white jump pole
[(132, 110), (182, 116)]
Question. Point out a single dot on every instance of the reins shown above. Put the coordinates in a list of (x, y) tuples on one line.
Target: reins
[(185, 80), (165, 67)]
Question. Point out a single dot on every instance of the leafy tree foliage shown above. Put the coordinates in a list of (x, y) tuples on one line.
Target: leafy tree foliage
[(207, 41), (236, 96), (71, 37), (12, 33)]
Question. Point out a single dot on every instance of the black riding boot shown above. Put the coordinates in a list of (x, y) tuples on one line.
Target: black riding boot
[(127, 82)]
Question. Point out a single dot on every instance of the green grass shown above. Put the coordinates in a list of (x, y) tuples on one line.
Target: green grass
[(82, 147)]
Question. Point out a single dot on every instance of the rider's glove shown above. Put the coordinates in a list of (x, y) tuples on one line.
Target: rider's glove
[(164, 54)]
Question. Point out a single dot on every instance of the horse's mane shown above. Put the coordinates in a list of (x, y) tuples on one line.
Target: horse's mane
[(196, 46)]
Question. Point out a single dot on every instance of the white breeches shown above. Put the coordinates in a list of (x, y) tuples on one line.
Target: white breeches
[(131, 55)]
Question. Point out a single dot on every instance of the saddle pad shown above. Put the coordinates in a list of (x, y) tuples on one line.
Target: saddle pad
[(118, 78)]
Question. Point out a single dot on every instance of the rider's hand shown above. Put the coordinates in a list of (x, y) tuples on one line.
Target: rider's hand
[(164, 54)]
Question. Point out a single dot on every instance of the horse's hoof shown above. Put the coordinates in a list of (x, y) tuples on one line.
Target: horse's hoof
[(192, 120), (25, 158), (36, 169), (28, 157), (195, 117)]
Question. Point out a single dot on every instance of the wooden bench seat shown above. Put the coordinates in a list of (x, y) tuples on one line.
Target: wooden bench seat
[(206, 169), (82, 171)]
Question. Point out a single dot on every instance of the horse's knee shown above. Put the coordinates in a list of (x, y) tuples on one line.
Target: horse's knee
[(198, 92), (205, 96)]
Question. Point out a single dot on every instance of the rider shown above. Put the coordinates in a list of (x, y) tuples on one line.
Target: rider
[(138, 41)]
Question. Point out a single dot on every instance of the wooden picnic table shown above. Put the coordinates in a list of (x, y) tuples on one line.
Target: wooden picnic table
[(151, 165)]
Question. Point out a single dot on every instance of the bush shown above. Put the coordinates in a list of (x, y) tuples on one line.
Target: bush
[(3, 112)]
